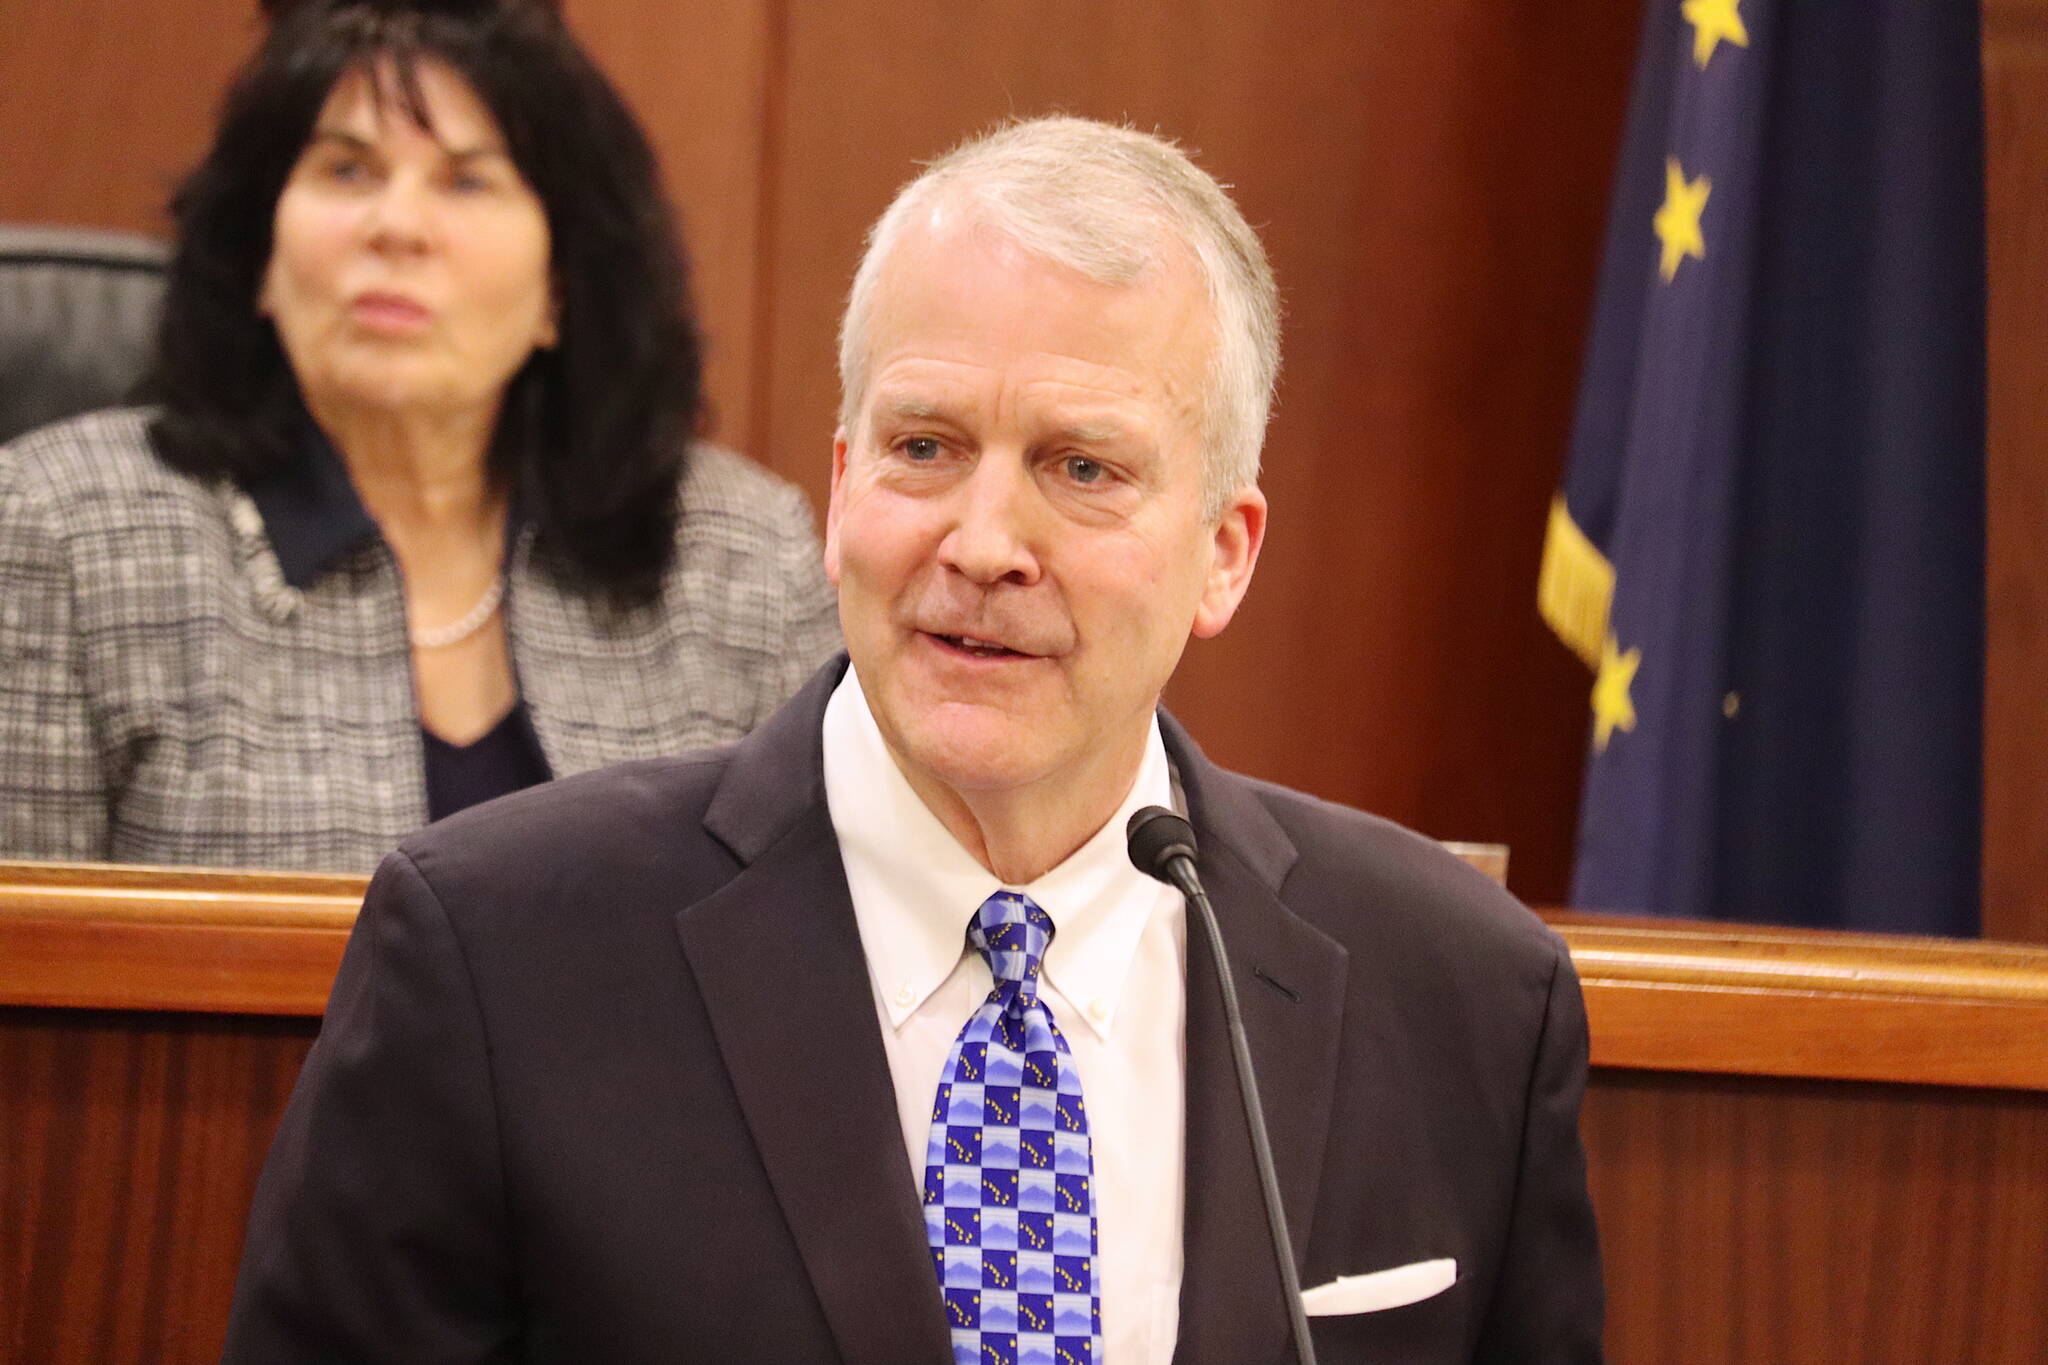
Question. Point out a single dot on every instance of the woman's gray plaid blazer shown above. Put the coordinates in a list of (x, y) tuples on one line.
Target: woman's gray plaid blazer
[(166, 696)]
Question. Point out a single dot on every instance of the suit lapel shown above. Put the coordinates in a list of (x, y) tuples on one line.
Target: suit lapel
[(807, 1063), (806, 1056), (1291, 982)]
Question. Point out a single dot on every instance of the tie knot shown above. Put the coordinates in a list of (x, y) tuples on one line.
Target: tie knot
[(1012, 933)]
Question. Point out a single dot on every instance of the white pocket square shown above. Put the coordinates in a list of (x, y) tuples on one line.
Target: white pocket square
[(1404, 1284)]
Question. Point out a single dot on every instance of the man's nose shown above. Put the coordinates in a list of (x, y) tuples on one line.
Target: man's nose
[(995, 526)]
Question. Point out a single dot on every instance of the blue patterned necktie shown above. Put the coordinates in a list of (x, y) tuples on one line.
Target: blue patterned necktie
[(1009, 1179)]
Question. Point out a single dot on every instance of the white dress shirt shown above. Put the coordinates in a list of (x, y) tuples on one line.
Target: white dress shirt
[(1114, 978)]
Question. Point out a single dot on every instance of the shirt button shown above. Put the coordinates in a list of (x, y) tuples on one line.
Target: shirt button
[(903, 995), (1098, 1010)]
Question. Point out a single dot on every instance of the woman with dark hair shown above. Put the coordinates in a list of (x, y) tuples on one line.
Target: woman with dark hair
[(417, 518)]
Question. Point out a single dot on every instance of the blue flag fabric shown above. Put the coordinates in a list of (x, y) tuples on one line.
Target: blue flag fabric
[(1769, 544)]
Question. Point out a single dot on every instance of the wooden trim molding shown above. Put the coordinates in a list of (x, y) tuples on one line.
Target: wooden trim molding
[(1662, 995), (86, 936), (1674, 995)]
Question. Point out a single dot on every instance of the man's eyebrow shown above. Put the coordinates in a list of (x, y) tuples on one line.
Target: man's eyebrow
[(1099, 432)]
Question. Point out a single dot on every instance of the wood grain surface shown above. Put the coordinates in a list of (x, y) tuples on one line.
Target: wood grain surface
[(1744, 1220), (133, 1142), (140, 938), (699, 88), (1896, 1215), (1669, 995), (2016, 473), (1662, 994), (1747, 1221)]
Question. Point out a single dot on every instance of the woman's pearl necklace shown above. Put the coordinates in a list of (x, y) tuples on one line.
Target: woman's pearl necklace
[(455, 632)]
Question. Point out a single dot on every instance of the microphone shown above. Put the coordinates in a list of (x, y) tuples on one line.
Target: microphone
[(1162, 846)]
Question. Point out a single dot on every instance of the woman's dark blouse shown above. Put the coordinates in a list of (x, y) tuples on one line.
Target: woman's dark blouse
[(463, 775)]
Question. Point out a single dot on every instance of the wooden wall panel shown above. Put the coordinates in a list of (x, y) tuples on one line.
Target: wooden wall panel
[(1744, 1220), (1431, 182), (698, 88), (1747, 1221), (133, 1143), (104, 104), (2015, 716)]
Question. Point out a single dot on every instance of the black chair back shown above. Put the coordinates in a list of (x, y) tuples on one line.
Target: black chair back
[(78, 315)]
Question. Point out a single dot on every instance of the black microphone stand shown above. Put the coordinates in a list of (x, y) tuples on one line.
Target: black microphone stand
[(1162, 845)]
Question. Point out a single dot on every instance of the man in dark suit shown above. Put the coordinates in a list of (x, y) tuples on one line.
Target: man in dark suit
[(669, 1063)]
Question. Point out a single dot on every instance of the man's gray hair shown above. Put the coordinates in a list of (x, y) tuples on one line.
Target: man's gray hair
[(1110, 203)]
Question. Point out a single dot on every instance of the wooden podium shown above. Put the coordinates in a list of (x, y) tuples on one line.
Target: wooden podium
[(1805, 1147)]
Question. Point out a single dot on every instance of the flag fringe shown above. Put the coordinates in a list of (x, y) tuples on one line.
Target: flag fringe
[(1575, 587)]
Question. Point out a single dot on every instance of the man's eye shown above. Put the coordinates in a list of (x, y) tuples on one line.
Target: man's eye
[(921, 449), (1081, 469)]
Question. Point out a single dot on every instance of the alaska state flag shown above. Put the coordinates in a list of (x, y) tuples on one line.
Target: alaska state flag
[(1769, 545)]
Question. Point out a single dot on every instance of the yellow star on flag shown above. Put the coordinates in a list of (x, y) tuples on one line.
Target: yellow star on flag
[(1612, 707), (1677, 223), (1712, 22)]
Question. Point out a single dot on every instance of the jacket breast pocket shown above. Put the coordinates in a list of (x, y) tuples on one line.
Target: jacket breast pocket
[(1437, 1330)]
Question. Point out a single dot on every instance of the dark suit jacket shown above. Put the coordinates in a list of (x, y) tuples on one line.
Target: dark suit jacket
[(602, 1080)]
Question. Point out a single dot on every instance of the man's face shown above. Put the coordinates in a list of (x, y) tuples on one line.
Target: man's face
[(1016, 526)]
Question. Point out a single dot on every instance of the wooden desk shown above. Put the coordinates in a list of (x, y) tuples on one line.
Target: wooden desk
[(1811, 1147), (1804, 1147)]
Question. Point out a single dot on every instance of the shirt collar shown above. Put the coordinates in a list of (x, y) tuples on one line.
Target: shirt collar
[(914, 887), (311, 514)]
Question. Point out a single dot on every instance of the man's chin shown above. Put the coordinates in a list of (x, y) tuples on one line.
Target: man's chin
[(975, 749)]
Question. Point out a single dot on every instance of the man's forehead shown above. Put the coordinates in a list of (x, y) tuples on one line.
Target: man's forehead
[(893, 406), (984, 305), (957, 223), (1069, 409)]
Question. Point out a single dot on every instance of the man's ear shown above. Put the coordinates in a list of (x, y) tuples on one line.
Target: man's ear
[(1234, 548), (832, 507)]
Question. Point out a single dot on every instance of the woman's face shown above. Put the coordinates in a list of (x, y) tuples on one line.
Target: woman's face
[(409, 269)]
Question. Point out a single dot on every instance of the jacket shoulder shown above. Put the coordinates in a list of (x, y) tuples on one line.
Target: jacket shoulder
[(1354, 868), (96, 483), (636, 824), (103, 455), (89, 498), (724, 484)]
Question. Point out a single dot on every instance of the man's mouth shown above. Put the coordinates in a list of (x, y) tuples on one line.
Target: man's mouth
[(980, 649)]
